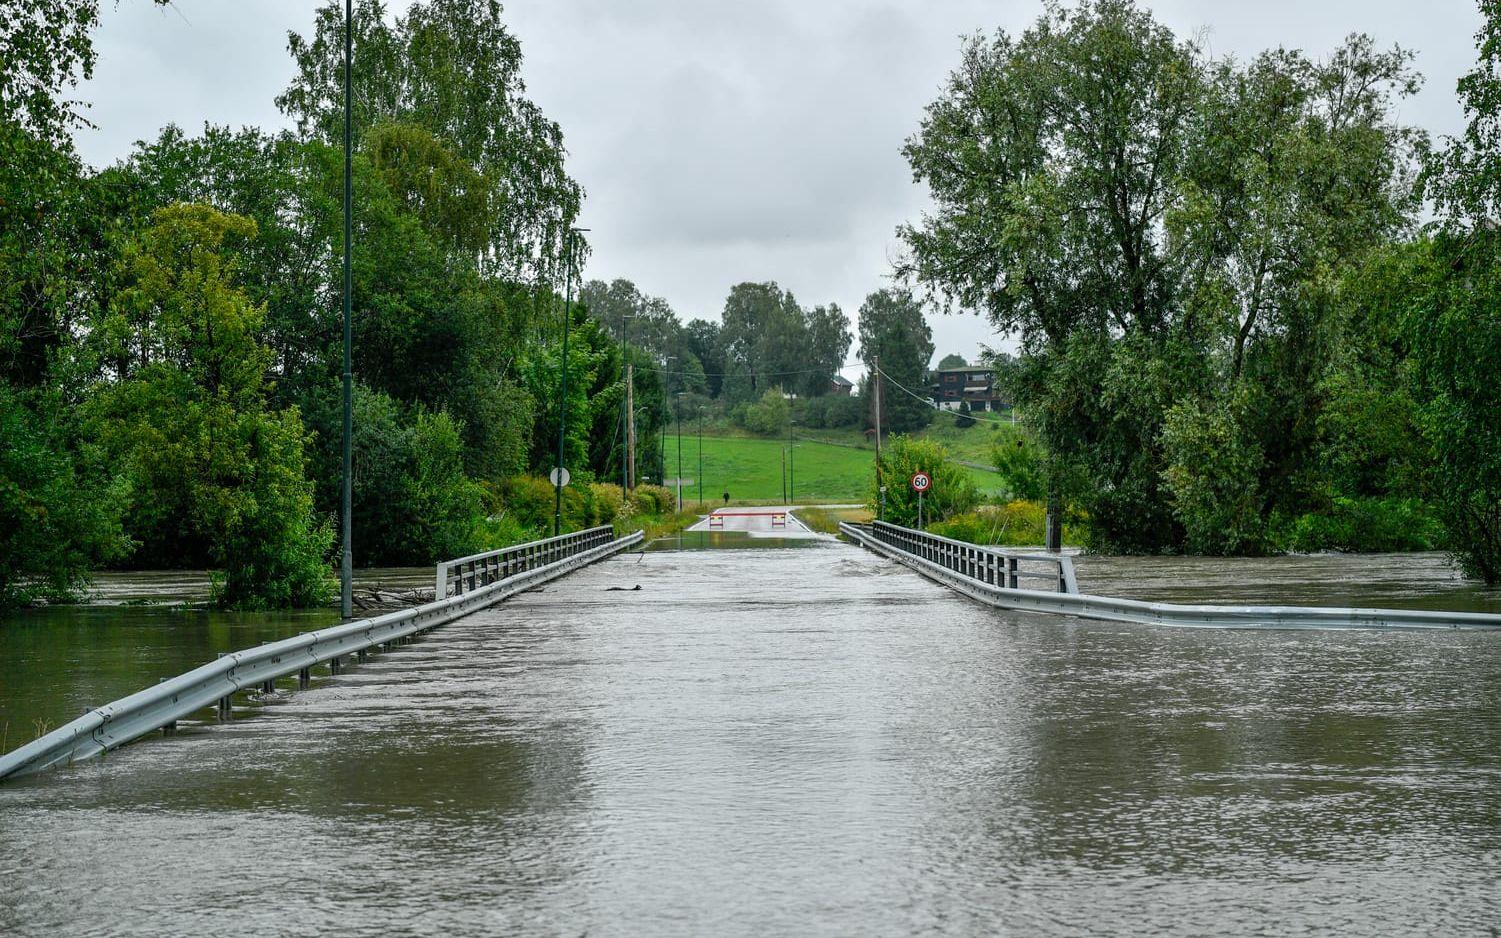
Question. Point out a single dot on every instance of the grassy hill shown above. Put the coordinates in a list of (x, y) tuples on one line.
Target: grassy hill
[(750, 469)]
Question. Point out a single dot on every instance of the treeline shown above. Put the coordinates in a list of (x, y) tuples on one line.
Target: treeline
[(1237, 335), (170, 326), (767, 350)]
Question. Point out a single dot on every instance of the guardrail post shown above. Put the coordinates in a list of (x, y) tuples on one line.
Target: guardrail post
[(225, 707), (304, 678)]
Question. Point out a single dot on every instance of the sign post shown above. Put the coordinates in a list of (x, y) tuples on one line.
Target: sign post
[(921, 482)]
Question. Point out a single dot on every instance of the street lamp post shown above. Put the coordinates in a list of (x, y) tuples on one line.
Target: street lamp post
[(625, 402), (662, 436), (346, 558), (568, 258)]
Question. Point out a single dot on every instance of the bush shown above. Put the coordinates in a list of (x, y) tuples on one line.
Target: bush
[(531, 502), (770, 414), (1213, 474), (812, 411), (1015, 524), (843, 411), (1363, 524), (1021, 464), (964, 421), (653, 500), (608, 501), (952, 493)]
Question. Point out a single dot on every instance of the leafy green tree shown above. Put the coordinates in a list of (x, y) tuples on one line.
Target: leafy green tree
[(828, 343), (894, 331), (765, 337), (1162, 233), (59, 509), (952, 360), (452, 68), (705, 340), (1021, 464), (1212, 473), (218, 476), (953, 491)]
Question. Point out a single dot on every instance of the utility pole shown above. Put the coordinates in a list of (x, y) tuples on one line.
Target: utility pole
[(630, 427), (625, 404), (346, 559), (791, 462), (700, 456), (678, 409), (557, 505), (875, 384), (784, 476)]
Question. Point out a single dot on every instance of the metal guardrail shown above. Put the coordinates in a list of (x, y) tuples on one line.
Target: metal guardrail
[(470, 573), (972, 571), (215, 683), (985, 564)]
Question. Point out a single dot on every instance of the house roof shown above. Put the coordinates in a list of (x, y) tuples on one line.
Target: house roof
[(842, 380), (967, 369)]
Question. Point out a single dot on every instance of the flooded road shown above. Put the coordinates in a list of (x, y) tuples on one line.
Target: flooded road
[(810, 741)]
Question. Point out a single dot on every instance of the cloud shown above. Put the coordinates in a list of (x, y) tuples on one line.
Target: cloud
[(723, 141)]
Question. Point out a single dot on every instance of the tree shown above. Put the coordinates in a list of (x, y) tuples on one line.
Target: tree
[(765, 336), (706, 341), (893, 330), (1454, 327), (952, 360), (828, 343), (217, 475), (1159, 231), (59, 508), (453, 68)]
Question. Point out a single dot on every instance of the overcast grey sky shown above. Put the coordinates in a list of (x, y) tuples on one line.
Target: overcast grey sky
[(724, 141)]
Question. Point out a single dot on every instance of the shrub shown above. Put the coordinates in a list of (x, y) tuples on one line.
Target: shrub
[(653, 500), (1363, 524), (608, 500), (1021, 464), (1017, 523), (770, 414), (813, 411), (1213, 474), (844, 411), (59, 517), (964, 421), (952, 493)]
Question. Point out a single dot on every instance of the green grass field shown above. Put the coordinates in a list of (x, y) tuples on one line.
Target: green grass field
[(972, 444), (750, 470)]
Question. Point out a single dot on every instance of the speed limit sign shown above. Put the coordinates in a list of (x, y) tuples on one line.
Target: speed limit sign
[(921, 482)]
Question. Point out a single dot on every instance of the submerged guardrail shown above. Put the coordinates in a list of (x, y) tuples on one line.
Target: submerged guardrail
[(985, 574), (214, 684)]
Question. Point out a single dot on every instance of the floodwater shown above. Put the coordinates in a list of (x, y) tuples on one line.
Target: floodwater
[(811, 741)]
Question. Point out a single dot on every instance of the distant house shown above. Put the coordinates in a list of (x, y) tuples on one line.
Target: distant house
[(975, 384), (839, 384)]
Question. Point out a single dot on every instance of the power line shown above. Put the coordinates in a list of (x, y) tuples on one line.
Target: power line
[(934, 404), (753, 374)]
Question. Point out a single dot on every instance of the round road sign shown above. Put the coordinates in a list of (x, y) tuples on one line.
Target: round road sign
[(553, 476), (921, 482)]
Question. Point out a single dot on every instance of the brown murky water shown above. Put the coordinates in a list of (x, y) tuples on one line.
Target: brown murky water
[(810, 741)]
